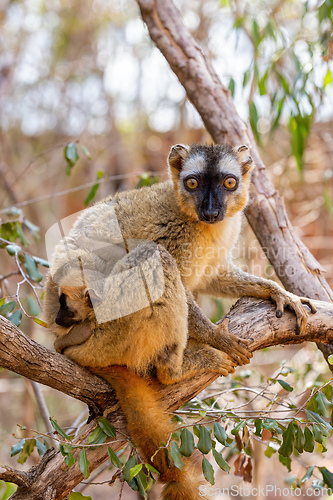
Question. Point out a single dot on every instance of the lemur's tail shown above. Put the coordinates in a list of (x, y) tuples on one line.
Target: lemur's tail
[(149, 426)]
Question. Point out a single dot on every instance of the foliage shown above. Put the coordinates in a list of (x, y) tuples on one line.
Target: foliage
[(291, 66)]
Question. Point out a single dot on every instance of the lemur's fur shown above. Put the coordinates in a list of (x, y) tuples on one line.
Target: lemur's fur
[(189, 225)]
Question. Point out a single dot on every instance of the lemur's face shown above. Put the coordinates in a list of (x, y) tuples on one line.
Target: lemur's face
[(211, 182)]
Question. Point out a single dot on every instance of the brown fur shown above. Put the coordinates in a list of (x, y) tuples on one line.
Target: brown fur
[(168, 336)]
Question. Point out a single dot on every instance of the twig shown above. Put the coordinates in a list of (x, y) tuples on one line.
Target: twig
[(91, 480), (44, 412)]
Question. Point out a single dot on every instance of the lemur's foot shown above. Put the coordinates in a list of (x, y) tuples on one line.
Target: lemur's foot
[(283, 298), (235, 347)]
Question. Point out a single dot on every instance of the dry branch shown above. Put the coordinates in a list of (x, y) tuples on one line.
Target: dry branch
[(296, 267), (249, 318)]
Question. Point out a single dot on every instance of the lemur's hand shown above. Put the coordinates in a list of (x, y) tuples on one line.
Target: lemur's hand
[(235, 347), (283, 298)]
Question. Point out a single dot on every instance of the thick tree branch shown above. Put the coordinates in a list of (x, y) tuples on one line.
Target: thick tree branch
[(295, 266), (24, 356), (249, 318)]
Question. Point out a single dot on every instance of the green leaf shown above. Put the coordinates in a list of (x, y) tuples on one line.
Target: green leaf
[(327, 476), (78, 496), (255, 33), (41, 448), (196, 430), (219, 433), (283, 81), (309, 440), (13, 249), (231, 87), (114, 459), (32, 269), (107, 427), (86, 152), (7, 308), (324, 406), (317, 418), (71, 156), (299, 440), (40, 261), (308, 474), (208, 471), (328, 78), (16, 318), (10, 489), (17, 448), (286, 461), (33, 306), (59, 430), (269, 451), (254, 121), (285, 385), (205, 441), (286, 448), (176, 456), (69, 460), (84, 463), (28, 448), (131, 462), (147, 179), (246, 78), (94, 189), (40, 322), (66, 448), (21, 234), (151, 468), (270, 424), (317, 434), (97, 436), (220, 461), (141, 480), (236, 429), (187, 443), (134, 471)]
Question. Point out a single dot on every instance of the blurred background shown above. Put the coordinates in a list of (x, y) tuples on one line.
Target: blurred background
[(88, 106)]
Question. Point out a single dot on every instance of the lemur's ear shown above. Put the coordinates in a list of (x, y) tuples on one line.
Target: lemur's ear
[(244, 158), (177, 155)]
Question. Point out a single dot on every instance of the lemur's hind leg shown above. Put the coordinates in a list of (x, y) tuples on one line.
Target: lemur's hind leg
[(197, 358)]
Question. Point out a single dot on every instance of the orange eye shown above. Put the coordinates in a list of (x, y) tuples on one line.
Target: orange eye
[(230, 183), (192, 183)]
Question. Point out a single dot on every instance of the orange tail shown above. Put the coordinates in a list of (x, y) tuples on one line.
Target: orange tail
[(149, 426)]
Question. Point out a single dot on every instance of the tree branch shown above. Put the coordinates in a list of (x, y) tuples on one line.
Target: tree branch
[(249, 318), (296, 267), (24, 356)]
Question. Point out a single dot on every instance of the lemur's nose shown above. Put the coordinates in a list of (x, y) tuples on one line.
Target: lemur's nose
[(211, 215)]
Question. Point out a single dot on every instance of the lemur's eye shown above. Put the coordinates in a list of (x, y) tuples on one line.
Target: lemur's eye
[(230, 182), (192, 183)]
